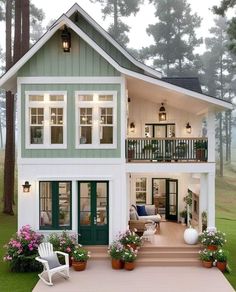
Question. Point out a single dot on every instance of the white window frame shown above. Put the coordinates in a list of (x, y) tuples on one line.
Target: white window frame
[(95, 104), (46, 105)]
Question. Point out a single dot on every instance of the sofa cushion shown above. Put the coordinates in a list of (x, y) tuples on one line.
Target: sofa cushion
[(141, 210), (155, 218), (52, 260), (150, 209)]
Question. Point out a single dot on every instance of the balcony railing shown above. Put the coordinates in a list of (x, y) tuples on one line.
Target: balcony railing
[(166, 149)]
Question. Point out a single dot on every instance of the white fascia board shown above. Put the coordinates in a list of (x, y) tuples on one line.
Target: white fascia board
[(208, 167), (146, 69), (170, 86), (69, 80), (69, 161), (13, 70)]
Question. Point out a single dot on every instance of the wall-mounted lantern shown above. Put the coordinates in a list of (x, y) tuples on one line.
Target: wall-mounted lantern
[(132, 127), (162, 113), (26, 187), (188, 128), (66, 40)]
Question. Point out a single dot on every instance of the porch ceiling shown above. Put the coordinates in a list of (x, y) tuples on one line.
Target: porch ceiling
[(156, 93)]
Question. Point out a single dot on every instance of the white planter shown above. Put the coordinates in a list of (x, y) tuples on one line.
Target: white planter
[(190, 236)]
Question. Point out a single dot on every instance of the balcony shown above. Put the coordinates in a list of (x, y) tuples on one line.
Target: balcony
[(166, 149)]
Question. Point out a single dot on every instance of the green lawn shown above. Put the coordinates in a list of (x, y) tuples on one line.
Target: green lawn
[(226, 221)]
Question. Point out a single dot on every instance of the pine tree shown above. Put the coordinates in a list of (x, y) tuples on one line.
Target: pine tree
[(118, 9), (174, 37)]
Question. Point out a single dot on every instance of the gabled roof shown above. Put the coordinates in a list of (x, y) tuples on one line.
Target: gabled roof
[(148, 70), (190, 83)]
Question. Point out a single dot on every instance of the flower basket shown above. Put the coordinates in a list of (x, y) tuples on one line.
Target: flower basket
[(212, 238), (117, 264), (221, 266), (207, 264), (79, 266), (129, 266)]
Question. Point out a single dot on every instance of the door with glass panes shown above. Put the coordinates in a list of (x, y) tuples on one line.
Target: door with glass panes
[(93, 212)]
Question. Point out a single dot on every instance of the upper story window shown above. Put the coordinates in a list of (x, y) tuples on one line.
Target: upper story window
[(96, 125), (45, 120)]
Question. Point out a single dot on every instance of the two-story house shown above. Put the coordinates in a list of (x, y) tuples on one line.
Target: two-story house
[(99, 131)]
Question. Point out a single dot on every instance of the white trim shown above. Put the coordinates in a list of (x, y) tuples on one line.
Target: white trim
[(96, 105), (147, 69), (123, 117), (70, 161), (46, 105), (18, 116), (69, 80)]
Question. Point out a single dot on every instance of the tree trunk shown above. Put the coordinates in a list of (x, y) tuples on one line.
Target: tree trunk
[(25, 35), (9, 161), (17, 37)]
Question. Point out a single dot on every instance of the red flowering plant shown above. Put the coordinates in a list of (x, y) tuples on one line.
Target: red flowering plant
[(22, 250)]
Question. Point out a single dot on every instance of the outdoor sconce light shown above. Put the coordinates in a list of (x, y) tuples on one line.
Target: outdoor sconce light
[(66, 40), (188, 128), (132, 127), (162, 113), (26, 187)]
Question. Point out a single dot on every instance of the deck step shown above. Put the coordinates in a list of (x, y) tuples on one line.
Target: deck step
[(180, 262)]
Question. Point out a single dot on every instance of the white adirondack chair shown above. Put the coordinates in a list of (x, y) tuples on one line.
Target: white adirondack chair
[(45, 250)]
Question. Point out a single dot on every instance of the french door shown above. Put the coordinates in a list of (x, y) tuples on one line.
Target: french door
[(172, 199), (93, 212)]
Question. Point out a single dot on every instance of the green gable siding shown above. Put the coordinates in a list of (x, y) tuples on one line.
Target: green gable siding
[(70, 152), (105, 44), (83, 60)]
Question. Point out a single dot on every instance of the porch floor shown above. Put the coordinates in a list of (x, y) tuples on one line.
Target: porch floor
[(169, 234), (99, 277)]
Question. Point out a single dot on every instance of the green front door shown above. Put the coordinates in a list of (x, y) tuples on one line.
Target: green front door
[(93, 212)]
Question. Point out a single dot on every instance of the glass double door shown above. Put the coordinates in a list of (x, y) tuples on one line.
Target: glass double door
[(93, 212)]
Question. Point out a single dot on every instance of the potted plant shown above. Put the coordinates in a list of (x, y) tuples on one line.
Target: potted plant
[(221, 257), (79, 258), (212, 239), (206, 256), (129, 256), (130, 239), (115, 250), (131, 148), (183, 216), (200, 147)]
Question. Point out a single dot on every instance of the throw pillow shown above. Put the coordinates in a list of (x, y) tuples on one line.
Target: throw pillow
[(141, 210), (52, 260), (150, 209), (133, 214)]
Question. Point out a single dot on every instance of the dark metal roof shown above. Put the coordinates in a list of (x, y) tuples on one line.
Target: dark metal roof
[(191, 83)]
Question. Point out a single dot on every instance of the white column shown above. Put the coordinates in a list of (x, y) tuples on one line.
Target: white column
[(211, 200), (202, 198), (211, 136)]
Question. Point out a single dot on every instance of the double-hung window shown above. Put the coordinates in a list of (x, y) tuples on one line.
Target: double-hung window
[(96, 123), (45, 120)]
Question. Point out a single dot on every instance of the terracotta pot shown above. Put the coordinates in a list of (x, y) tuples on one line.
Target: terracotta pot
[(212, 247), (117, 264), (221, 266), (79, 266), (207, 264), (129, 266), (131, 245)]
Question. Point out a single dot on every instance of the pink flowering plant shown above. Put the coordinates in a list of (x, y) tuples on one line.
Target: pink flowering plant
[(130, 237), (22, 250), (212, 237), (115, 250), (64, 242)]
